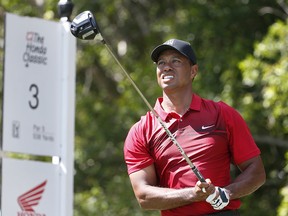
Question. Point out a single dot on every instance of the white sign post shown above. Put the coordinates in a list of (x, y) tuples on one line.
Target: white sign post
[(38, 112)]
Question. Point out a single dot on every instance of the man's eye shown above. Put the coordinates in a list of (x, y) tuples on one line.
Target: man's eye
[(160, 62), (176, 61)]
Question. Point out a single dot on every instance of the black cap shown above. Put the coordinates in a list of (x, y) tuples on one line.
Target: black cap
[(181, 46)]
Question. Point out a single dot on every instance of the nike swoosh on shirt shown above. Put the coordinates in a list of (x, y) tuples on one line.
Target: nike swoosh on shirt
[(206, 127)]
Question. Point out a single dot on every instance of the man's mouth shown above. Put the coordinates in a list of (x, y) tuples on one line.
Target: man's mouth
[(168, 77)]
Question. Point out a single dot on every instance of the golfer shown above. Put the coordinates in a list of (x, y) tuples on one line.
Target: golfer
[(212, 134)]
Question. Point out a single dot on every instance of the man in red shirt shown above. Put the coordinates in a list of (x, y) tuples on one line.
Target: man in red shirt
[(212, 134)]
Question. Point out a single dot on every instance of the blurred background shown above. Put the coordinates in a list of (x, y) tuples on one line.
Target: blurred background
[(242, 50)]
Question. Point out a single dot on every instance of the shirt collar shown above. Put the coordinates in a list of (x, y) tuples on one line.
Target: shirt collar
[(195, 105)]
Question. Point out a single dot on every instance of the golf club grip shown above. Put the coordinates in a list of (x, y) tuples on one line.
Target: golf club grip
[(198, 174)]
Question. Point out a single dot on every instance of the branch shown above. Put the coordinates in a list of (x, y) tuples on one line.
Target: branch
[(272, 141), (276, 12)]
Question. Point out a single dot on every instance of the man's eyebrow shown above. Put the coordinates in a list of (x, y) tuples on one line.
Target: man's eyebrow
[(176, 55)]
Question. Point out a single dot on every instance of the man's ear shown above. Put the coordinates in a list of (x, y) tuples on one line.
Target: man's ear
[(194, 70)]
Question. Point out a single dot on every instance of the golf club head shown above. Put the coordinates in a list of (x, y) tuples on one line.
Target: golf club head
[(84, 26)]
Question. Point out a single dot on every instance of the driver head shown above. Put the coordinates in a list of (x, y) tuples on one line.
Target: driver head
[(84, 26)]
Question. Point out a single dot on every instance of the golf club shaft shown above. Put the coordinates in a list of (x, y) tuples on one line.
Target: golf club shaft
[(192, 166)]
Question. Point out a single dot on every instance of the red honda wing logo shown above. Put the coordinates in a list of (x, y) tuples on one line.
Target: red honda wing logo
[(31, 198)]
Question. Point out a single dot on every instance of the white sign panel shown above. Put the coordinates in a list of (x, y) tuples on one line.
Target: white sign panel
[(30, 188), (32, 86)]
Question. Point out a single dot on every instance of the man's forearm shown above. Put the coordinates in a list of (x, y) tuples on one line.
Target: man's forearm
[(158, 198), (248, 181)]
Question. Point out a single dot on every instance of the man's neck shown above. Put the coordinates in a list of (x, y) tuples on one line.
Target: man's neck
[(178, 103)]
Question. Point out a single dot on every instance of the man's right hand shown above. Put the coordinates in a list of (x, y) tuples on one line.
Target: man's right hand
[(203, 189)]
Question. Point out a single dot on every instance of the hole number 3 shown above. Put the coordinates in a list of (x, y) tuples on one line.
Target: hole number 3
[(34, 101)]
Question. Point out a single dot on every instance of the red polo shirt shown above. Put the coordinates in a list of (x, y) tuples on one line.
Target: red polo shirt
[(212, 134)]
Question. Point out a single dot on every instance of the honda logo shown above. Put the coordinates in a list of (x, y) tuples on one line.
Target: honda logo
[(30, 199)]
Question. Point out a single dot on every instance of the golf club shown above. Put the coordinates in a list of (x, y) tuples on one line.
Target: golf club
[(84, 27)]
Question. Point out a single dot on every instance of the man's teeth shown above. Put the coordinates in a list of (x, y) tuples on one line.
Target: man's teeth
[(168, 77)]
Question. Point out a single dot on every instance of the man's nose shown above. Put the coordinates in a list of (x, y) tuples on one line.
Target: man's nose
[(167, 66)]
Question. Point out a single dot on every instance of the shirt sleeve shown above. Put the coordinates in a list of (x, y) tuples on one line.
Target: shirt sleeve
[(241, 142), (136, 151)]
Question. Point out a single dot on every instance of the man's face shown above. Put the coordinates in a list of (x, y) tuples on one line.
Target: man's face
[(174, 71)]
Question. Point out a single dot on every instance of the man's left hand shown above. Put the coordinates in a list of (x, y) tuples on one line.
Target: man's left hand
[(219, 199)]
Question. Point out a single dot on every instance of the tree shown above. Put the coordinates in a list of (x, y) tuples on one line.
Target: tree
[(264, 103)]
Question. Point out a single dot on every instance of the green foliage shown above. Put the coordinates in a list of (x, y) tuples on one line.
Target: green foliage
[(265, 104), (283, 208), (265, 74), (223, 33)]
